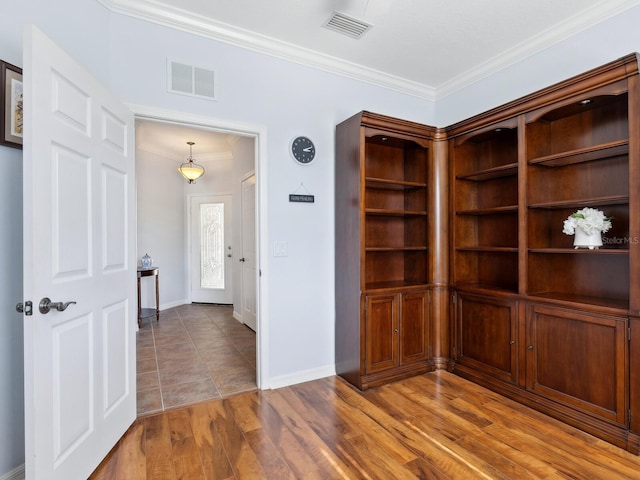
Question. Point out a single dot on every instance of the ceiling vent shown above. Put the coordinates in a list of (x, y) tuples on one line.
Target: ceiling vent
[(350, 26)]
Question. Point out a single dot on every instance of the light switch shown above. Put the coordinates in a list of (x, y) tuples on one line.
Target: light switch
[(280, 249)]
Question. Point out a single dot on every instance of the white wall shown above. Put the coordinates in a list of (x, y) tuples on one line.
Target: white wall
[(161, 222), (286, 100)]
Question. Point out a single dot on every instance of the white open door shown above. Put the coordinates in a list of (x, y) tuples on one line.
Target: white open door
[(249, 256), (79, 238)]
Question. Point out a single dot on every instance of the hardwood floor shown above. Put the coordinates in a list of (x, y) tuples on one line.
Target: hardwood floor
[(434, 426)]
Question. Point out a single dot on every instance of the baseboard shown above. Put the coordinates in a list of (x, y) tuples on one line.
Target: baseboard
[(177, 303), (237, 316), (15, 474), (300, 377)]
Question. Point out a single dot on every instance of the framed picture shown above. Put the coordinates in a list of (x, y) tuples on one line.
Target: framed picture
[(11, 105)]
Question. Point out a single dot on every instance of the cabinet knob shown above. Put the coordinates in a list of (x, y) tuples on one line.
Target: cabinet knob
[(512, 342), (530, 347), (395, 330)]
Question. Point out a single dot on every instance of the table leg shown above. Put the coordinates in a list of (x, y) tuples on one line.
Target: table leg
[(157, 298), (139, 306)]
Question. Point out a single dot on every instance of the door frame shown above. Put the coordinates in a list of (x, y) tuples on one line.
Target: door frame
[(259, 134)]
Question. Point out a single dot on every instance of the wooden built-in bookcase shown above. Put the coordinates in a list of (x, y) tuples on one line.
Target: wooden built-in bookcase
[(526, 314), (382, 247)]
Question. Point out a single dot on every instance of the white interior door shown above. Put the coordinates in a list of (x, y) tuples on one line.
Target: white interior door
[(211, 252), (248, 256), (79, 239)]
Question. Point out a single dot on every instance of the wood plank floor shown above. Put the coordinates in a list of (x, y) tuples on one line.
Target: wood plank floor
[(434, 426)]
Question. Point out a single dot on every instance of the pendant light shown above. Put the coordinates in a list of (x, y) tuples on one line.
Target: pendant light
[(191, 171)]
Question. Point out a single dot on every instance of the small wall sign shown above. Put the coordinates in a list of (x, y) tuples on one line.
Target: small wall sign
[(296, 197)]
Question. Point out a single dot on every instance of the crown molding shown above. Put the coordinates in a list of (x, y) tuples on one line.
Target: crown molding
[(555, 34), (156, 12), (180, 19)]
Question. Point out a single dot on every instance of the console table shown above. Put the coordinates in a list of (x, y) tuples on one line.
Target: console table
[(148, 312)]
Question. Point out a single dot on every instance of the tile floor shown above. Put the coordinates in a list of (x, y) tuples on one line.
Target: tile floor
[(194, 353)]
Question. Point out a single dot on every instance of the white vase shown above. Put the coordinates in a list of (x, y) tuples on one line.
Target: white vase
[(584, 240)]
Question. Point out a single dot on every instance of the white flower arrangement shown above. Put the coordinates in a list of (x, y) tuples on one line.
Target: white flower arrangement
[(589, 220)]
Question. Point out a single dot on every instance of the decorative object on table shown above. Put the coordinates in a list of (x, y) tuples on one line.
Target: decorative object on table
[(11, 105), (190, 170), (146, 261), (587, 224)]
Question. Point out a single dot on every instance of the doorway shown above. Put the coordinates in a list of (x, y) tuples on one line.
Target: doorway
[(176, 308)]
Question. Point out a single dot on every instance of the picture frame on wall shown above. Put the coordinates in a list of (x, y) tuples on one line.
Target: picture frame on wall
[(11, 124)]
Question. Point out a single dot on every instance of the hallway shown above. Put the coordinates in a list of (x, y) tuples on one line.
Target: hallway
[(194, 353)]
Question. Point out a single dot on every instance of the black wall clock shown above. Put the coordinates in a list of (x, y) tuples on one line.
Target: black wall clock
[(302, 150)]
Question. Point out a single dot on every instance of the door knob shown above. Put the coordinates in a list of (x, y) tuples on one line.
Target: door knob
[(241, 259), (46, 305)]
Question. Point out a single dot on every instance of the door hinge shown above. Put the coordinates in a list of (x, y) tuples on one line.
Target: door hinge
[(429, 296), (629, 334), (629, 418), (454, 297)]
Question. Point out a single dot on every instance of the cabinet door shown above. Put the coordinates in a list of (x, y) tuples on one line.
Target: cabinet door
[(414, 327), (486, 335), (578, 359), (381, 333)]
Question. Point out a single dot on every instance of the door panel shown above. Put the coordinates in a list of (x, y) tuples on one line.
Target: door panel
[(79, 212), (487, 335), (560, 366), (413, 327), (381, 332)]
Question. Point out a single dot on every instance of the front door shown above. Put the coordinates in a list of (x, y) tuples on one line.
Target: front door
[(79, 252), (211, 252)]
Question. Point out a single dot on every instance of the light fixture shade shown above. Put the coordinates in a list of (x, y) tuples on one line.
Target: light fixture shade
[(190, 170)]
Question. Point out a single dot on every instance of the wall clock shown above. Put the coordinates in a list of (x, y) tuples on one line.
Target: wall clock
[(302, 150)]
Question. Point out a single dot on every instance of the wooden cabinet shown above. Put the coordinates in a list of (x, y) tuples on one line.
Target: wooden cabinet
[(536, 319), (382, 249), (396, 330), (487, 333), (579, 359)]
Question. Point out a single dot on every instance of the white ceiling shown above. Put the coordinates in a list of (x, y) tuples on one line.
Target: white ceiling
[(427, 48), (169, 140)]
